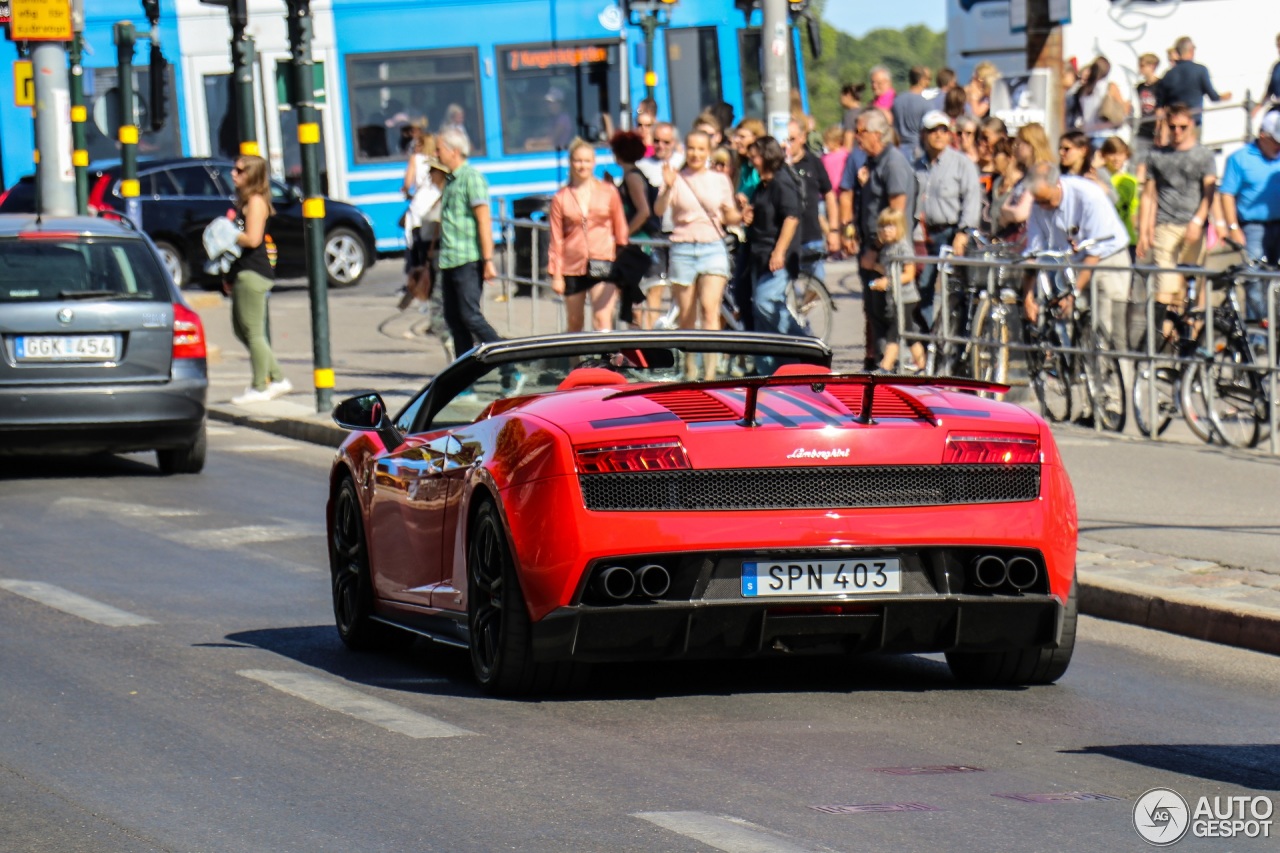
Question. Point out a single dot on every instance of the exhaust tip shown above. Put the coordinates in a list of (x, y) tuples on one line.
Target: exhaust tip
[(617, 582), (1022, 573), (990, 571), (654, 580)]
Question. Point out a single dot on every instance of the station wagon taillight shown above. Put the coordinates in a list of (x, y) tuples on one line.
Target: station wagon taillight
[(991, 449), (188, 333), (662, 455)]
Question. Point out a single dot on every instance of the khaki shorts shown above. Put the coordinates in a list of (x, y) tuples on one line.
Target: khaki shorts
[(1169, 250)]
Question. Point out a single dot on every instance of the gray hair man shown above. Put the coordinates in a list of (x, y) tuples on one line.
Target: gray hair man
[(1070, 211), (950, 201)]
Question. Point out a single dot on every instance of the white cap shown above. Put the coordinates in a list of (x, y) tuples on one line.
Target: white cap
[(1271, 125), (935, 118)]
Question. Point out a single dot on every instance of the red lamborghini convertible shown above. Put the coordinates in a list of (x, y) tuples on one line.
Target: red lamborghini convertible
[(556, 501)]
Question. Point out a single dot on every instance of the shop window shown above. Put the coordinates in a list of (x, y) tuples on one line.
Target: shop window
[(551, 94), (389, 93)]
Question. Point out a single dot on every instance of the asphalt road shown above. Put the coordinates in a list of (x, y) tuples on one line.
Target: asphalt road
[(170, 680)]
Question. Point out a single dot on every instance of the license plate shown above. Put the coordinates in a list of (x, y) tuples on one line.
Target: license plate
[(65, 347), (862, 576)]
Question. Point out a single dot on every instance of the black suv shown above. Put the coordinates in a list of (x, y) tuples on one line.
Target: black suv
[(181, 196)]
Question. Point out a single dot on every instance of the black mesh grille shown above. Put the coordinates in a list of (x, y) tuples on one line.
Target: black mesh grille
[(805, 488)]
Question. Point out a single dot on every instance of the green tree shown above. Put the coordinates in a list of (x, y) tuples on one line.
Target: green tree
[(846, 59)]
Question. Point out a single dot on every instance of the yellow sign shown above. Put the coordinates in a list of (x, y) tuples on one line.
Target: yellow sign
[(24, 84), (40, 20)]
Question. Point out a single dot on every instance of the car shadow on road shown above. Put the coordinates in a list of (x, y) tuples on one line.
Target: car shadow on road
[(422, 666), (1248, 765), (54, 467)]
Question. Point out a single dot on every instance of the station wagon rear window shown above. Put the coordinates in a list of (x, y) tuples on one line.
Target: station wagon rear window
[(52, 269)]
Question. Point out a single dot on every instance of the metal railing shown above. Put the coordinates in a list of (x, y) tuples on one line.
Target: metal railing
[(947, 287)]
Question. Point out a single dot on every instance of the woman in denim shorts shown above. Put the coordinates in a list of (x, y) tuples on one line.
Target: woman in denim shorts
[(702, 204)]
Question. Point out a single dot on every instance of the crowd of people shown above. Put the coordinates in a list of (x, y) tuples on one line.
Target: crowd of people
[(908, 173)]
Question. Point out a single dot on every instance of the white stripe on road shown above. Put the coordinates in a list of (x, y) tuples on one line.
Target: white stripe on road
[(76, 605), (327, 693), (252, 534), (255, 448), (119, 508), (730, 834)]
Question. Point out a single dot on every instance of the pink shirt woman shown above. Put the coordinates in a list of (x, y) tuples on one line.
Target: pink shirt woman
[(587, 226)]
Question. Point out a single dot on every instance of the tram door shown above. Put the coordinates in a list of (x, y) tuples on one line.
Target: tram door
[(692, 55)]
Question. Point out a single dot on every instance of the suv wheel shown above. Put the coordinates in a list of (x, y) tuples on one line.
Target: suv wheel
[(174, 262), (345, 257)]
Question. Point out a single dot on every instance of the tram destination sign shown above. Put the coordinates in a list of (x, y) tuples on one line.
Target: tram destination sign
[(40, 20)]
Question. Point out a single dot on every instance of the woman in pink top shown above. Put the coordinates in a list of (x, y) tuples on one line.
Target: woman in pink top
[(587, 226), (702, 204)]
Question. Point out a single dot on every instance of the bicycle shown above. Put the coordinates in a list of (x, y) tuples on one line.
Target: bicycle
[(1065, 351), (993, 315), (1169, 380)]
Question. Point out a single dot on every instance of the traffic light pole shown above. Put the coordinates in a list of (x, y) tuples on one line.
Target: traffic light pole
[(649, 24), (302, 68), (776, 41), (125, 38), (242, 61)]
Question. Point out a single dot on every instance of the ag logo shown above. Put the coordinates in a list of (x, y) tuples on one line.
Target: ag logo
[(1161, 817)]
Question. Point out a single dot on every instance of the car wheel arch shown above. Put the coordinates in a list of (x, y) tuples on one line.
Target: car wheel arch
[(482, 493)]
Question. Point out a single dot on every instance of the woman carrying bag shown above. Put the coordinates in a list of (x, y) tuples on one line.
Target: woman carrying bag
[(587, 227)]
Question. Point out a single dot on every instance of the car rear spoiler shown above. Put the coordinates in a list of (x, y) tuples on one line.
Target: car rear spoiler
[(869, 381)]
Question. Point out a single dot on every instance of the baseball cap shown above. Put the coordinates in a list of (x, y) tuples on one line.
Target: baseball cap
[(1271, 125), (935, 118)]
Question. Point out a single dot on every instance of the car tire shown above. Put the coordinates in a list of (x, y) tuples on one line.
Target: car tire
[(1020, 666), (499, 629), (349, 572), (184, 460), (345, 257), (175, 262)]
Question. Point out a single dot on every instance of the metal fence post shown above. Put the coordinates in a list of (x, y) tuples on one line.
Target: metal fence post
[(895, 282), (1273, 290), (1149, 308), (944, 279), (534, 273), (1209, 358)]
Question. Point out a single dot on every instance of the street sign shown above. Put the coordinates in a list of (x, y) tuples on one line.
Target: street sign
[(40, 20), (24, 84), (5, 12)]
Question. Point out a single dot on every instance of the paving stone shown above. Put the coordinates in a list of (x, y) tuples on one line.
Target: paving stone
[(1195, 565)]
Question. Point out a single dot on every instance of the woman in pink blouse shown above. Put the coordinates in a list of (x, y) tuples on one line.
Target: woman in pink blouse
[(587, 226), (702, 204)]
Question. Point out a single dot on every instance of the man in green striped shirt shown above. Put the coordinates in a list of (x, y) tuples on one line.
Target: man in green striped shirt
[(466, 244)]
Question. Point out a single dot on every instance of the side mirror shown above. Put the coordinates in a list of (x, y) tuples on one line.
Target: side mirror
[(368, 413)]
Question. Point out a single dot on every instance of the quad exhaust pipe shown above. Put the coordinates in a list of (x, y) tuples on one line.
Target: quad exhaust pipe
[(617, 583), (990, 572), (1020, 573), (653, 581)]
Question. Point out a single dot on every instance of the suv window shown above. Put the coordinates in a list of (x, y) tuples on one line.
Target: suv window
[(194, 182), (47, 269), (158, 183), (280, 195)]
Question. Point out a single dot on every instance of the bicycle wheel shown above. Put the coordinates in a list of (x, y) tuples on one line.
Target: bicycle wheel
[(989, 351), (1195, 404), (810, 302), (1166, 382), (1238, 405), (1049, 373), (1103, 381)]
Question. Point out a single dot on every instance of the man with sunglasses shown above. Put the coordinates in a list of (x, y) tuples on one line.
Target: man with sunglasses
[(1177, 195), (949, 202), (1070, 211)]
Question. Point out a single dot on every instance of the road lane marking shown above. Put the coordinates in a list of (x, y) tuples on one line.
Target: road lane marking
[(119, 508), (730, 834), (255, 448), (75, 605), (327, 693), (250, 534)]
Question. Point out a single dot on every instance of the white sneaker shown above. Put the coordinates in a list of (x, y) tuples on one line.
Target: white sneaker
[(251, 396), (279, 389)]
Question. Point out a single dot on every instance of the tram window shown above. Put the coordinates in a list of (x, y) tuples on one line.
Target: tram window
[(389, 92), (752, 61), (550, 95)]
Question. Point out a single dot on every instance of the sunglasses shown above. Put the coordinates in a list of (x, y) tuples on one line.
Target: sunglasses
[(1179, 127), (237, 169)]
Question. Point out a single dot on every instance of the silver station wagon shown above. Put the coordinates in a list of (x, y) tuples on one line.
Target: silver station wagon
[(98, 350)]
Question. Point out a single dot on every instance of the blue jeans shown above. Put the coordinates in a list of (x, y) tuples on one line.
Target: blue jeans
[(462, 289), (769, 302), (1262, 239), (927, 277), (817, 249)]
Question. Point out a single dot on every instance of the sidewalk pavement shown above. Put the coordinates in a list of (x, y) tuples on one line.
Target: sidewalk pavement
[(371, 350)]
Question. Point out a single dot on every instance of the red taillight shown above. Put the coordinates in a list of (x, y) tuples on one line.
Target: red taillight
[(96, 195), (992, 449), (664, 455), (188, 333)]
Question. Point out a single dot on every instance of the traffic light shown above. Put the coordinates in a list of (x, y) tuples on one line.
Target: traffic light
[(159, 88), (237, 10)]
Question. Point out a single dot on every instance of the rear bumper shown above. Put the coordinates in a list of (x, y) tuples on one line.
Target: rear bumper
[(102, 418), (660, 631)]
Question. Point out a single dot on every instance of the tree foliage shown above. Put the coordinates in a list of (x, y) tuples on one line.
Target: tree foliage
[(847, 59)]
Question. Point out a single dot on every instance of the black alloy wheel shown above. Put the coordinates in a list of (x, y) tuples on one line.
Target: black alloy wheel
[(498, 621), (349, 567)]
